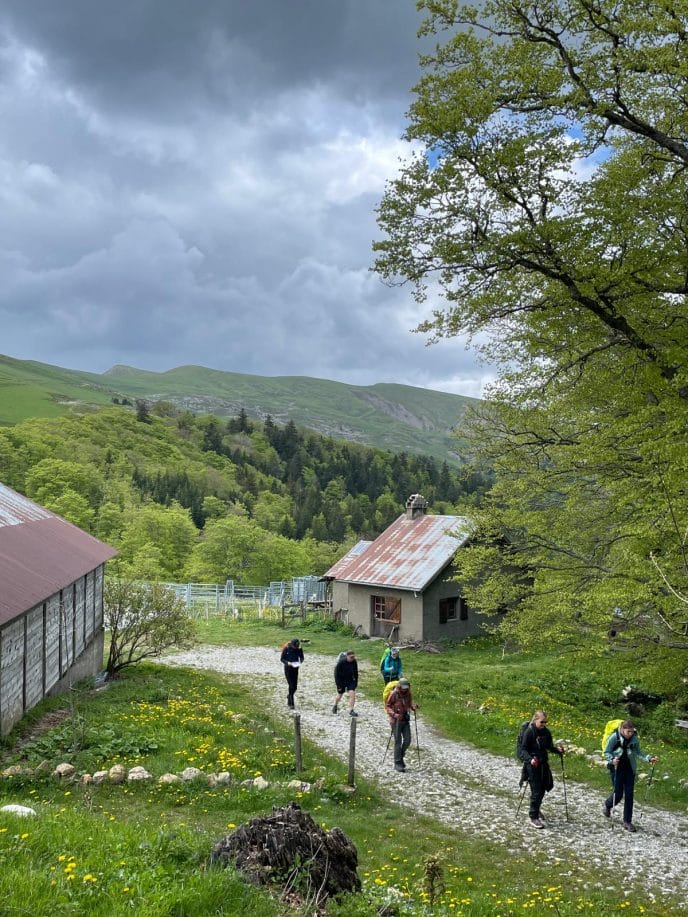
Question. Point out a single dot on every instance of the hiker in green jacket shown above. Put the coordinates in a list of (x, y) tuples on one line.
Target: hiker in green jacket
[(622, 752), (390, 665)]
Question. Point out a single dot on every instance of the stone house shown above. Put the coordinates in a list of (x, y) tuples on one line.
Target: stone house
[(400, 585), (51, 605)]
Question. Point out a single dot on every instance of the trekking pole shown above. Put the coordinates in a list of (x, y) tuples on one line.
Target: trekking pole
[(415, 720), (616, 776), (520, 802), (563, 780), (391, 733), (647, 791)]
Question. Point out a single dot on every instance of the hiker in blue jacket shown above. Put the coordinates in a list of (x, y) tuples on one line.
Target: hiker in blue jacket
[(390, 665), (622, 752)]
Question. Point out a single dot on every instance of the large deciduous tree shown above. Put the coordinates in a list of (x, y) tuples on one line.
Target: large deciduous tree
[(547, 213)]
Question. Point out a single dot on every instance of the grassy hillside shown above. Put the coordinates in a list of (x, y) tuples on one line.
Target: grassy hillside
[(388, 416)]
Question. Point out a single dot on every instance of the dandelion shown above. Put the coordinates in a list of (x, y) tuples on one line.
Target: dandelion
[(89, 877)]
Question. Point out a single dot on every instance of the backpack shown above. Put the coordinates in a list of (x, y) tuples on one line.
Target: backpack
[(521, 737), (610, 727), (382, 660), (389, 687)]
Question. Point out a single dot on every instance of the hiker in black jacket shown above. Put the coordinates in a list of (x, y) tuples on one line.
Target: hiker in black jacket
[(346, 680), (534, 744), (291, 657)]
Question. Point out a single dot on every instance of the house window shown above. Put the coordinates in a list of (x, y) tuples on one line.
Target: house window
[(452, 609), (386, 608)]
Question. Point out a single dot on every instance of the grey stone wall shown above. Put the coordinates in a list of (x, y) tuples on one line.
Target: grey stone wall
[(50, 647)]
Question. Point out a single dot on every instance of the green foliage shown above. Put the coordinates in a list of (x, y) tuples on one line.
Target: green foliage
[(548, 206), (102, 743), (143, 621), (271, 503)]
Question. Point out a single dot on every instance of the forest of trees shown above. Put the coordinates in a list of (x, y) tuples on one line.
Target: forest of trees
[(186, 497)]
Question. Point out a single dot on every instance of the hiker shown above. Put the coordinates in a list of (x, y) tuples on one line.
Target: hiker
[(292, 657), (622, 752), (534, 744), (398, 706), (390, 665), (346, 680)]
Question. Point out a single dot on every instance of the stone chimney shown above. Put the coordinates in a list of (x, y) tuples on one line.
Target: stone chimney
[(416, 506)]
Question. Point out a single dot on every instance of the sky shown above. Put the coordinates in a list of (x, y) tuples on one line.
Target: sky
[(196, 183)]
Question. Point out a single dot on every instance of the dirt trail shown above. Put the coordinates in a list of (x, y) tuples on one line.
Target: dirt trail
[(470, 790)]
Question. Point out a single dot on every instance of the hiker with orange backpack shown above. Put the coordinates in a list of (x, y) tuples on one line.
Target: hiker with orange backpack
[(622, 751)]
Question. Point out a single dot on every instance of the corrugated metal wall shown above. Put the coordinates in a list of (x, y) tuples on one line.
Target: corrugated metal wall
[(43, 650)]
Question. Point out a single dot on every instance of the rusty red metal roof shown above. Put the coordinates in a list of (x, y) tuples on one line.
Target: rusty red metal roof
[(343, 562), (407, 555), (40, 554)]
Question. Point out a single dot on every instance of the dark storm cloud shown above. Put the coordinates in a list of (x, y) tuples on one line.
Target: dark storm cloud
[(196, 183), (137, 53)]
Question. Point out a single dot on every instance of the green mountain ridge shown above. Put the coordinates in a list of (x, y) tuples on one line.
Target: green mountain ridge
[(385, 415)]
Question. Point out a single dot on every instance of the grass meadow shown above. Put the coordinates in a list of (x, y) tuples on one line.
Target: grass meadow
[(144, 848)]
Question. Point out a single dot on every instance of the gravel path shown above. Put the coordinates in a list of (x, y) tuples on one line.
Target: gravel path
[(470, 790)]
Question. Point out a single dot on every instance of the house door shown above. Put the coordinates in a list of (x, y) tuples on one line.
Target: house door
[(385, 613)]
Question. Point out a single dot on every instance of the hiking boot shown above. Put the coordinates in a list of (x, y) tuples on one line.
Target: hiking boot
[(334, 709), (400, 767), (606, 811), (352, 713), (629, 826), (536, 823)]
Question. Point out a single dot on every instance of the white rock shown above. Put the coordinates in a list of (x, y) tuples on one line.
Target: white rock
[(21, 811), (191, 773), (260, 783), (100, 777), (64, 771), (138, 773), (168, 779)]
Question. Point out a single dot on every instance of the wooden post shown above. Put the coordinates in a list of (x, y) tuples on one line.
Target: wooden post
[(352, 751), (297, 741)]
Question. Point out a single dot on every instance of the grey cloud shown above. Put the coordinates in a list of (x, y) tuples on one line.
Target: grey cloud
[(197, 184)]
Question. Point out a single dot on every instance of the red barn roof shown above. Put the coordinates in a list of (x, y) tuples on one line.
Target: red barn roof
[(40, 553), (407, 555)]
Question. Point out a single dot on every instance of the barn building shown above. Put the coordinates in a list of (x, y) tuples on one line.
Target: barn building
[(51, 605), (400, 586)]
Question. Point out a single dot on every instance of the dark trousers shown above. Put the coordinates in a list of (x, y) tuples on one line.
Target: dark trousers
[(402, 739), (540, 781), (623, 782), (292, 676)]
